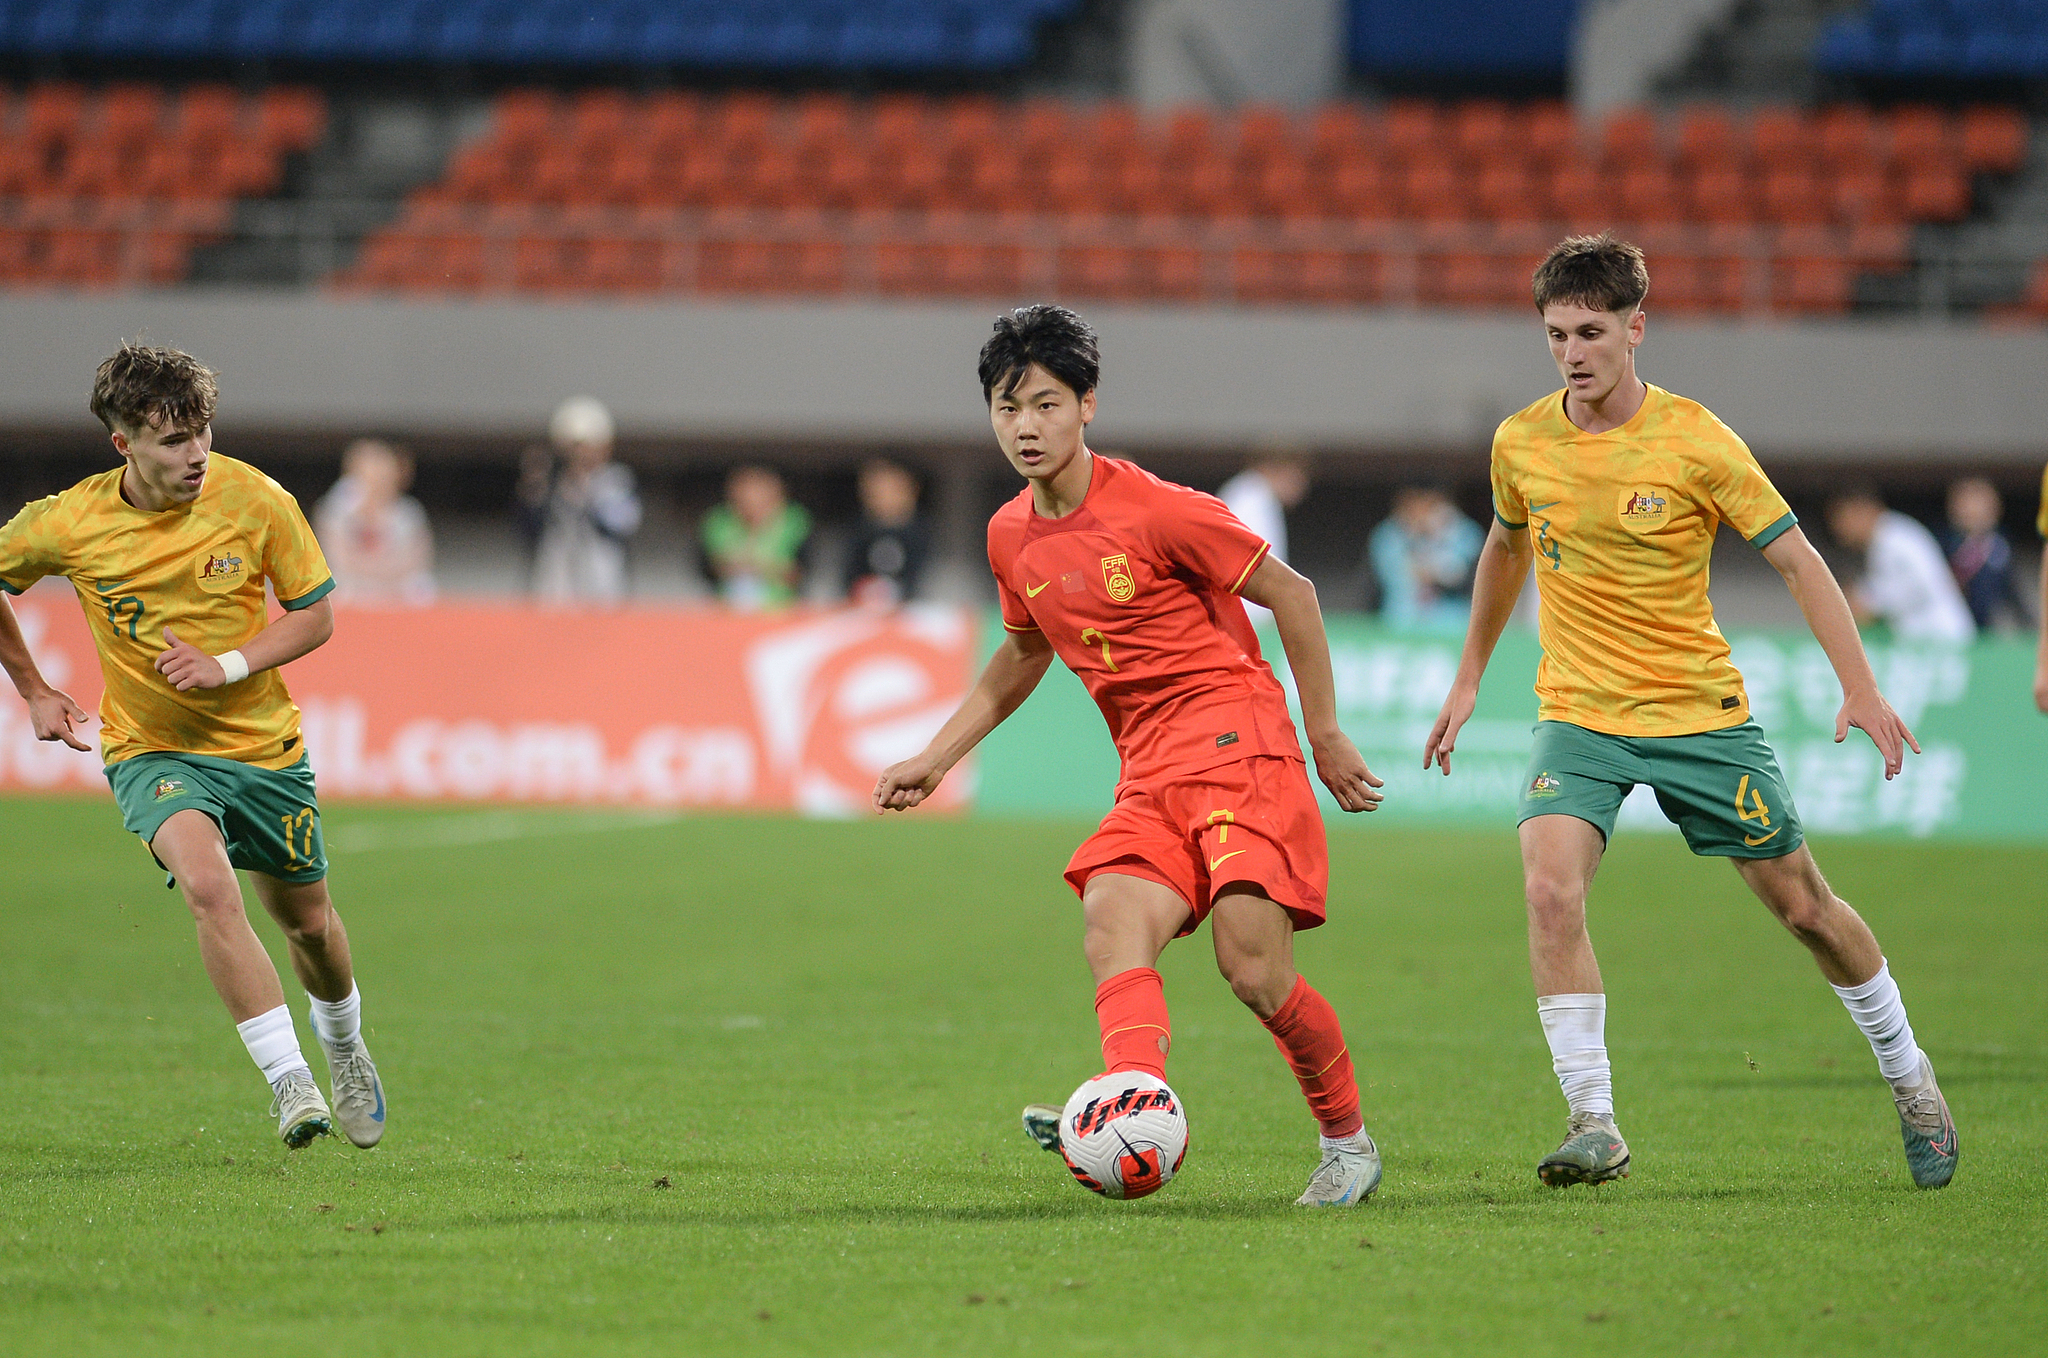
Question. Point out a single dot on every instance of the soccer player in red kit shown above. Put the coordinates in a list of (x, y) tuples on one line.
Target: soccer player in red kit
[(1135, 583)]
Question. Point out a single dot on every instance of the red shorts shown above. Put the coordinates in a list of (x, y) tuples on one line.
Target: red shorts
[(1252, 821)]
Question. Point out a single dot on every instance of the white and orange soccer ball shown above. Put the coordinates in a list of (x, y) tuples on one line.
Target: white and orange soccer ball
[(1124, 1134)]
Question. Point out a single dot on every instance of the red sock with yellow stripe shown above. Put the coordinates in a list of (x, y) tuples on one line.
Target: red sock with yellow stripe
[(1308, 1035), (1131, 1006)]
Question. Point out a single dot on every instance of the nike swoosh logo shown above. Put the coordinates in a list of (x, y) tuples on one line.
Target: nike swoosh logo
[(378, 1116), (1215, 863), (1031, 591), (1551, 504), (1762, 839)]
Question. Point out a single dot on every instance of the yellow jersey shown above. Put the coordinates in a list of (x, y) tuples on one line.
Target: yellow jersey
[(1623, 524), (198, 569)]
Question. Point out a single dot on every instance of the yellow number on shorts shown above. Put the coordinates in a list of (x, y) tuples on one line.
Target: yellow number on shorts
[(1761, 813), (303, 823)]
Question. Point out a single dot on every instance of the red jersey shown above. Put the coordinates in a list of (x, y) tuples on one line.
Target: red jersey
[(1137, 591)]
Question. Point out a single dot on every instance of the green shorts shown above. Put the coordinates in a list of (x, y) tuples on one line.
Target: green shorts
[(270, 818), (1722, 788)]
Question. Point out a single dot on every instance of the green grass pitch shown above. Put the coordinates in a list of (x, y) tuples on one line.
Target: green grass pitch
[(750, 1086)]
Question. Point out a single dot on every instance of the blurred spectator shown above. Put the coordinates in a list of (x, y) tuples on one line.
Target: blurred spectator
[(1260, 496), (1262, 493), (1424, 554), (1978, 552), (1906, 581), (374, 535), (2041, 655), (579, 507), (890, 545), (754, 542)]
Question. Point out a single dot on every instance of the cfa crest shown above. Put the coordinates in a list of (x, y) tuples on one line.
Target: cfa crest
[(167, 787), (1116, 577), (1543, 785), (1644, 509), (220, 572)]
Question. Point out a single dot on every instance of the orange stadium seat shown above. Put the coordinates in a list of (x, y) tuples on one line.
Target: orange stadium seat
[(1708, 137), (939, 180), (1549, 132), (1994, 140), (1723, 193), (1412, 129), (1936, 193), (1781, 136), (1922, 136), (1630, 137)]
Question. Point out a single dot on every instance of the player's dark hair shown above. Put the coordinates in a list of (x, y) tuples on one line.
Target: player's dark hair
[(1599, 273), (142, 385), (1044, 333)]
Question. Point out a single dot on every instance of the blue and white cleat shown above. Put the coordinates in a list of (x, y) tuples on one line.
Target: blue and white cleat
[(1928, 1130), (1349, 1173), (358, 1093), (301, 1113)]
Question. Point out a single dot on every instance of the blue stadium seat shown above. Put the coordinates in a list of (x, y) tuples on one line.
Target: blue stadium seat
[(1988, 39), (909, 35)]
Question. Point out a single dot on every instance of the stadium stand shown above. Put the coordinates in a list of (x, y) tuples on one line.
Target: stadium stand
[(119, 186), (1429, 203), (906, 35), (1958, 39)]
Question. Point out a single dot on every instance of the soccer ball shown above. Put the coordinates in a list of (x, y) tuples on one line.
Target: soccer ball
[(1123, 1134)]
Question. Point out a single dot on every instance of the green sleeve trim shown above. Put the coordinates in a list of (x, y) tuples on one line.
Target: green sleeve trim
[(1511, 527), (307, 600), (10, 588), (1775, 531)]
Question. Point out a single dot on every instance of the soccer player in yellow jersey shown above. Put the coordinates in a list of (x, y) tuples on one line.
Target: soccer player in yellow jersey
[(1614, 489), (170, 553)]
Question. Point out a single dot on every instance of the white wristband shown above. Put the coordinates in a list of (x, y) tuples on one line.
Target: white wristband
[(232, 664)]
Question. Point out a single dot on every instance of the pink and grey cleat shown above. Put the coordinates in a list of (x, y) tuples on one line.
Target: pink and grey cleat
[(1593, 1153)]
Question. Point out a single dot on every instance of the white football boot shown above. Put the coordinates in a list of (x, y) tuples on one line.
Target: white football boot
[(301, 1112), (358, 1093), (1349, 1173)]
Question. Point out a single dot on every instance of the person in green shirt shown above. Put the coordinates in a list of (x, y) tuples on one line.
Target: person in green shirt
[(754, 541)]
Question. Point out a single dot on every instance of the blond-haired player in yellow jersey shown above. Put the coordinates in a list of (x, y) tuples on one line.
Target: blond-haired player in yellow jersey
[(170, 553), (1613, 490)]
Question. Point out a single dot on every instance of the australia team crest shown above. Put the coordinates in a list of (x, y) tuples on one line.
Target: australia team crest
[(219, 572), (1116, 577), (1643, 509)]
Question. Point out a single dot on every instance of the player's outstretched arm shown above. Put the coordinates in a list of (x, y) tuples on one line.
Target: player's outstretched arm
[(50, 710), (1012, 672), (1291, 597), (295, 634), (1503, 569), (1834, 627)]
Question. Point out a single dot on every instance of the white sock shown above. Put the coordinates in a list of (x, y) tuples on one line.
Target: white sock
[(1576, 1028), (1357, 1141), (273, 1044), (337, 1022), (1881, 1014)]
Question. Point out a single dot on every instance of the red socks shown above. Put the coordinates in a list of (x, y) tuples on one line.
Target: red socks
[(1309, 1036), (1131, 1007)]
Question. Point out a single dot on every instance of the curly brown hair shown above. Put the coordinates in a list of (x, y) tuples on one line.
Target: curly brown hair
[(1597, 272), (142, 386)]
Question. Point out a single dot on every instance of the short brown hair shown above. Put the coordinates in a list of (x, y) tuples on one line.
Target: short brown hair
[(142, 386), (1597, 272)]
